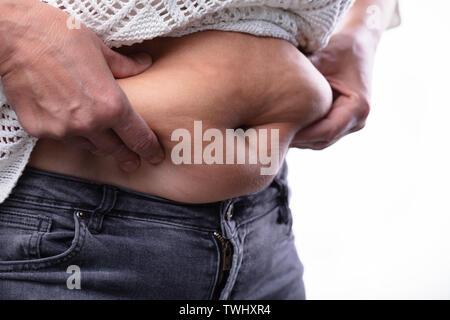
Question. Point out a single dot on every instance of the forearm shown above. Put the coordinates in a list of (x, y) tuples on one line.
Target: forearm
[(367, 20)]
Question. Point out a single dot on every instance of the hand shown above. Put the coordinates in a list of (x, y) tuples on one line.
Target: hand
[(61, 84), (347, 65)]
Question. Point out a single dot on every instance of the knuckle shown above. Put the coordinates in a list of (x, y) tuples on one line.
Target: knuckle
[(58, 132), (112, 105), (115, 111), (363, 107), (143, 145), (83, 126), (32, 130)]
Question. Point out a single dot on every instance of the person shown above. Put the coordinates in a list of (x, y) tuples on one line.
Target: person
[(156, 229)]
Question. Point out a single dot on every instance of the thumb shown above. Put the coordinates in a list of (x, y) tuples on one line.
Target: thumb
[(123, 66), (337, 122)]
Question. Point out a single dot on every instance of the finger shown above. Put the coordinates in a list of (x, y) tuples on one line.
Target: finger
[(107, 143), (81, 143), (339, 120), (316, 147), (138, 137), (320, 145), (84, 143), (126, 66)]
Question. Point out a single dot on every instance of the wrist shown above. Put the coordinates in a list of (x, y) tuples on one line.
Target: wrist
[(362, 36), (14, 17), (367, 20)]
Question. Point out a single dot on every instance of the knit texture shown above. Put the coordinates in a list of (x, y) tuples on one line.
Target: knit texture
[(305, 23)]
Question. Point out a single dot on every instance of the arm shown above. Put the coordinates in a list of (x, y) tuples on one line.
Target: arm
[(60, 82), (347, 64)]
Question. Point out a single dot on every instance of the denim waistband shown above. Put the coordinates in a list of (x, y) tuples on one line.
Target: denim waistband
[(58, 190)]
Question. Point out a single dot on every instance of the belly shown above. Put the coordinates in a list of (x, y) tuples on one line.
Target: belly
[(198, 87)]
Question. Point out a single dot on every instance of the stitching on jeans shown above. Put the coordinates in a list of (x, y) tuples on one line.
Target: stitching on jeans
[(13, 218), (31, 201), (41, 265), (30, 248), (26, 226), (38, 246), (159, 221), (143, 196), (45, 201)]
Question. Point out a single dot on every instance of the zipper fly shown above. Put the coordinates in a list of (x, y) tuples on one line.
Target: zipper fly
[(226, 258)]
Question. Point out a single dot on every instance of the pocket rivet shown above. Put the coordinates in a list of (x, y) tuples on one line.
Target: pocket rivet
[(80, 214)]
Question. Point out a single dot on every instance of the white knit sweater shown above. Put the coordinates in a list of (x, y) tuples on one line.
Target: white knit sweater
[(307, 23)]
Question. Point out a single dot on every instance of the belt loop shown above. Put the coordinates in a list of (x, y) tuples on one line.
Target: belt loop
[(107, 204), (229, 212), (227, 221)]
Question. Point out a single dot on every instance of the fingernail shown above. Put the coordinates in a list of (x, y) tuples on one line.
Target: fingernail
[(143, 58), (129, 166)]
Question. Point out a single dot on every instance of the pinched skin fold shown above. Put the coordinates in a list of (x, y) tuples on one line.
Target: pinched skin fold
[(225, 80)]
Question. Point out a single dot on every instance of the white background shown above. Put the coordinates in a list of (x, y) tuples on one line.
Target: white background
[(372, 213)]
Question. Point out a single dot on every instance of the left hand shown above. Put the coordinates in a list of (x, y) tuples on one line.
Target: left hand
[(347, 65)]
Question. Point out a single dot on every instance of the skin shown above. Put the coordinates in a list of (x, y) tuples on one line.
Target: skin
[(215, 77)]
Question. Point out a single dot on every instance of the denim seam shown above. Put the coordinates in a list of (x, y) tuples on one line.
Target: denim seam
[(32, 199), (38, 246), (159, 221), (32, 244), (146, 197), (45, 203), (25, 225)]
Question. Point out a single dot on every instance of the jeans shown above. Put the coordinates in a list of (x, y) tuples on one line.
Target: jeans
[(63, 237)]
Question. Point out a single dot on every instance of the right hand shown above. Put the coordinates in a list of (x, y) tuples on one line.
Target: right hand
[(61, 84)]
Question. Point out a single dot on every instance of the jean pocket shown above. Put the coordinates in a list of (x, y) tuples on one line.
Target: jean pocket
[(29, 239), (20, 234)]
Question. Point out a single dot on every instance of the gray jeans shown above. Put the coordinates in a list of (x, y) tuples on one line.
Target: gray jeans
[(67, 238)]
